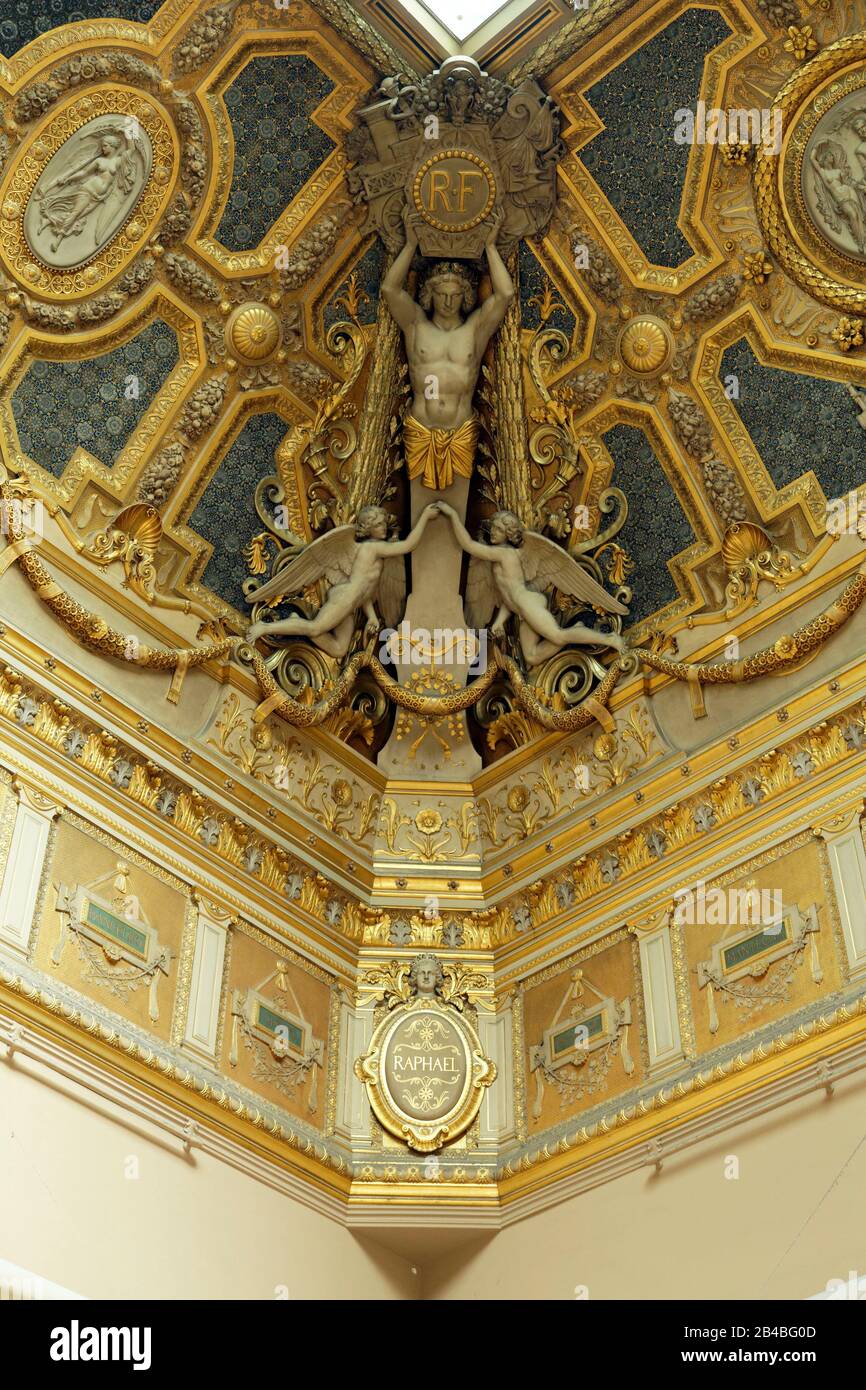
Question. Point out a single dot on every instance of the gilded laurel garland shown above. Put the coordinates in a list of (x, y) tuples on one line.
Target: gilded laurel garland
[(775, 213)]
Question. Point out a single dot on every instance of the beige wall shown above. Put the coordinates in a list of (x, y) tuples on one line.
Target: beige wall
[(184, 1229), (197, 1228), (794, 1218)]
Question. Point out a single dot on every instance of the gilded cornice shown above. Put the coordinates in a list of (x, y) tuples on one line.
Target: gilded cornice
[(723, 1083), (765, 793), (814, 1052)]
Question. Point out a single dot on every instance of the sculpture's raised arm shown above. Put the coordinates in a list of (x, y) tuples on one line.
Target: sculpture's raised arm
[(400, 303)]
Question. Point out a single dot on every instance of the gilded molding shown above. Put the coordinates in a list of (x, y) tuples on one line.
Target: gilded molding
[(685, 1087), (158, 304), (778, 212), (173, 1070)]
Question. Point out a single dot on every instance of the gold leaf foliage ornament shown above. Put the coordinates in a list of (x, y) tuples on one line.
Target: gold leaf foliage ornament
[(133, 538), (325, 443), (804, 200), (85, 626), (751, 555)]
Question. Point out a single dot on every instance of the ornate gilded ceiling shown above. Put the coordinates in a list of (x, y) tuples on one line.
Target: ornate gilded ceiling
[(211, 383), (669, 227)]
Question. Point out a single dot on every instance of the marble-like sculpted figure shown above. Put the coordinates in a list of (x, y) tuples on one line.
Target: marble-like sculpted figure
[(426, 975), (510, 570), (843, 196), (444, 352), (361, 564), (833, 177), (87, 190)]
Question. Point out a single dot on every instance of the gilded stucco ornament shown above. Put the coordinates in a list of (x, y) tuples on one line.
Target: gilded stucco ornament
[(87, 190), (750, 555), (807, 201), (457, 142), (81, 197), (253, 332), (645, 344), (119, 947), (425, 1071)]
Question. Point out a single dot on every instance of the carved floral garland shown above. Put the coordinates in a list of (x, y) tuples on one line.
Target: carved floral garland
[(95, 633)]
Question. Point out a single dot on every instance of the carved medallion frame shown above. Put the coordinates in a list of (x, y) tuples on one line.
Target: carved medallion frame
[(480, 1072), (43, 144), (810, 261)]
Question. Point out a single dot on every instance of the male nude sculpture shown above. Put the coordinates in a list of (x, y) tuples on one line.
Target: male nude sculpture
[(444, 353)]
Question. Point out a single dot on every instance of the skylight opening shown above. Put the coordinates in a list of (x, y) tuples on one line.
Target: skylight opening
[(463, 17)]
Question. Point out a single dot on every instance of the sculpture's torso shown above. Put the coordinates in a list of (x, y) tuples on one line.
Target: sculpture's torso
[(366, 570), (443, 368), (508, 577)]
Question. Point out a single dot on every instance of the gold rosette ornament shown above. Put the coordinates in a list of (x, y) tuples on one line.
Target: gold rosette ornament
[(645, 345), (253, 332)]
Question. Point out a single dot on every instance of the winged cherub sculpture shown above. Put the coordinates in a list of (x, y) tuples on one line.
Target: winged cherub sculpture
[(512, 571), (360, 564)]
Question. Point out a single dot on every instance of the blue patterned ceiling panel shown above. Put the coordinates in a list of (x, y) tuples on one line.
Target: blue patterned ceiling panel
[(95, 404), (657, 527), (798, 422), (226, 516), (23, 20), (277, 144), (634, 160)]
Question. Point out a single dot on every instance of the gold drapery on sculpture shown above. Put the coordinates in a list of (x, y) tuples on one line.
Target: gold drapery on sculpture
[(437, 455)]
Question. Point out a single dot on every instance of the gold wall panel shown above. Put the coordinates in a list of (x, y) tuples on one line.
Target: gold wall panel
[(260, 973), (798, 872), (97, 970), (604, 971)]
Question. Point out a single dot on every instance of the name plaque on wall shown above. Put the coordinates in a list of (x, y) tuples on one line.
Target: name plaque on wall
[(425, 1073)]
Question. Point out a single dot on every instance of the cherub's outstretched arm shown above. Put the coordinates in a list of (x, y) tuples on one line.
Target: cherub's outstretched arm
[(464, 540), (389, 548)]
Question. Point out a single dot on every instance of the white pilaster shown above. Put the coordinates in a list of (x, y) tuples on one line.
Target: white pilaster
[(353, 1108), (660, 996), (844, 841), (20, 887), (203, 1012), (496, 1117)]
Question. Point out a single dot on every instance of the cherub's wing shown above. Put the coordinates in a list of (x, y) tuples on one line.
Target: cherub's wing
[(544, 562), (480, 593), (332, 556), (392, 590)]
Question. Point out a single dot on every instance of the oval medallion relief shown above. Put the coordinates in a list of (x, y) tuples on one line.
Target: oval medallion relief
[(832, 175), (87, 191)]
